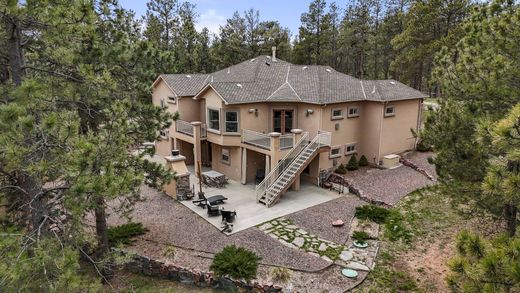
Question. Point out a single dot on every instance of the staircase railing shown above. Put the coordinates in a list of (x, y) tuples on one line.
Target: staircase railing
[(320, 140), (284, 163)]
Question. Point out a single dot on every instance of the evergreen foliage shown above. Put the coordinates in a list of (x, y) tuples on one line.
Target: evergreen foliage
[(372, 213), (123, 234), (341, 169), (363, 162), (236, 262), (353, 163)]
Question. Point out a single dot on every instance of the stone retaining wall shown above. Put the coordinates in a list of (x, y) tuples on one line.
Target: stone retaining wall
[(153, 268), (409, 163)]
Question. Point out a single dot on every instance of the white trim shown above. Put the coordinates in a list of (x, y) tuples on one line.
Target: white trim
[(161, 78), (348, 153), (225, 121), (196, 96), (338, 155), (353, 115), (219, 130), (341, 116)]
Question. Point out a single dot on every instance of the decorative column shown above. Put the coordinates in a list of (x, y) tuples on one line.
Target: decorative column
[(275, 148), (297, 134), (267, 164), (243, 177), (196, 146)]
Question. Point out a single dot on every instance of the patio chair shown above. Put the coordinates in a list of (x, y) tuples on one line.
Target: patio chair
[(260, 175), (201, 202), (228, 216), (213, 211)]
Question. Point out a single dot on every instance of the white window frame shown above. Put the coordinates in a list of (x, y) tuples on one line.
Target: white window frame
[(353, 115), (336, 117), (225, 152), (347, 152), (209, 122), (163, 134), (172, 99), (333, 156), (226, 122), (389, 114)]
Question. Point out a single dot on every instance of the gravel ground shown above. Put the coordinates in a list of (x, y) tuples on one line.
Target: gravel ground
[(421, 160), (328, 280), (318, 219), (387, 185), (172, 223)]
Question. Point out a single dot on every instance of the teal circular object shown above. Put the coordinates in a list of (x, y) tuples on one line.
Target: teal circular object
[(349, 273), (360, 245)]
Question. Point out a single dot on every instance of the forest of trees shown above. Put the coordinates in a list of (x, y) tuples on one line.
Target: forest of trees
[(75, 82)]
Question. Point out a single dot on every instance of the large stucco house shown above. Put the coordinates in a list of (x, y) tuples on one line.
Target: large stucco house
[(289, 121)]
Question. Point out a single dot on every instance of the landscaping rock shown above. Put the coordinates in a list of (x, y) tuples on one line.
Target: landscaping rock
[(338, 223), (357, 266), (298, 241), (322, 247), (346, 255)]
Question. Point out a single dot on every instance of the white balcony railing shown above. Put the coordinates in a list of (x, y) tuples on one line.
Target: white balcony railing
[(258, 139), (185, 127), (286, 141)]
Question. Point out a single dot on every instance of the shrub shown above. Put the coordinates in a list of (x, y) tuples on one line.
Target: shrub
[(280, 274), (122, 234), (236, 262), (360, 236), (341, 169), (423, 147), (353, 163), (372, 213), (363, 162)]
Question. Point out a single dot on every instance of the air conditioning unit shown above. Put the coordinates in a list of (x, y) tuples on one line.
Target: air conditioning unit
[(391, 161)]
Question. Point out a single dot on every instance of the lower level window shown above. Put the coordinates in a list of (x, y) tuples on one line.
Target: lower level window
[(335, 152), (225, 156), (350, 149)]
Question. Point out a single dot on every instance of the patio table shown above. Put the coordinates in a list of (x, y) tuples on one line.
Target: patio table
[(213, 178)]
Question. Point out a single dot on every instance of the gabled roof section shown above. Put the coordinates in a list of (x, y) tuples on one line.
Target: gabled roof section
[(285, 93), (185, 85), (261, 79)]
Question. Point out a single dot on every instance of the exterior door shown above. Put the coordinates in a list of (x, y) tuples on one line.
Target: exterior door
[(283, 121)]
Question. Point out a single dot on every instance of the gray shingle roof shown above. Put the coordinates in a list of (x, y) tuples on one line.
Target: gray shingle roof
[(260, 79)]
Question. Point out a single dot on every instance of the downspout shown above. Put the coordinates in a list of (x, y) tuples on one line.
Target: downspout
[(419, 115), (380, 132)]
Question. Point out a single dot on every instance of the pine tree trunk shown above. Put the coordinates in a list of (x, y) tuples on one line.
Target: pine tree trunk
[(103, 249), (14, 50), (510, 213)]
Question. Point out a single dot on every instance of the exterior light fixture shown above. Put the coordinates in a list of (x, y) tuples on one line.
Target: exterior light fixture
[(253, 111), (308, 112)]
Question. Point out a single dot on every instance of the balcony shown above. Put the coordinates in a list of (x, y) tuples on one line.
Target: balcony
[(286, 141), (257, 139), (187, 128)]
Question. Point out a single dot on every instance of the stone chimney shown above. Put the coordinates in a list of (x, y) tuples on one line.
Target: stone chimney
[(179, 188), (274, 53)]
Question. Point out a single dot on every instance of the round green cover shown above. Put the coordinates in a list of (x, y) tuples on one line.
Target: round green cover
[(349, 273), (360, 245)]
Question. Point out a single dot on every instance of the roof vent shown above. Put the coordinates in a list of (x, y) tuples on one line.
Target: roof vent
[(228, 70), (252, 60), (328, 70), (392, 82), (188, 76), (304, 67), (267, 63), (268, 57), (239, 85)]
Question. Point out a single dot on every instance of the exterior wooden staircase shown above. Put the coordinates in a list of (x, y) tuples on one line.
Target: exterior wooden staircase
[(270, 190)]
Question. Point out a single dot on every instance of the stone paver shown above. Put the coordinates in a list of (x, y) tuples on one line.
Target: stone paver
[(289, 235)]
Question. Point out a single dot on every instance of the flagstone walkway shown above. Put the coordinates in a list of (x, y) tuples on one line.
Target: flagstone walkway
[(346, 255)]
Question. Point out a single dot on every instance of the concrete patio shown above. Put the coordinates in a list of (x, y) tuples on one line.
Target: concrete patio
[(242, 199)]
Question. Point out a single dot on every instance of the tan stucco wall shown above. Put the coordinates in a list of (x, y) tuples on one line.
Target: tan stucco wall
[(396, 134), (232, 170), (255, 161), (371, 119), (162, 147), (186, 149)]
